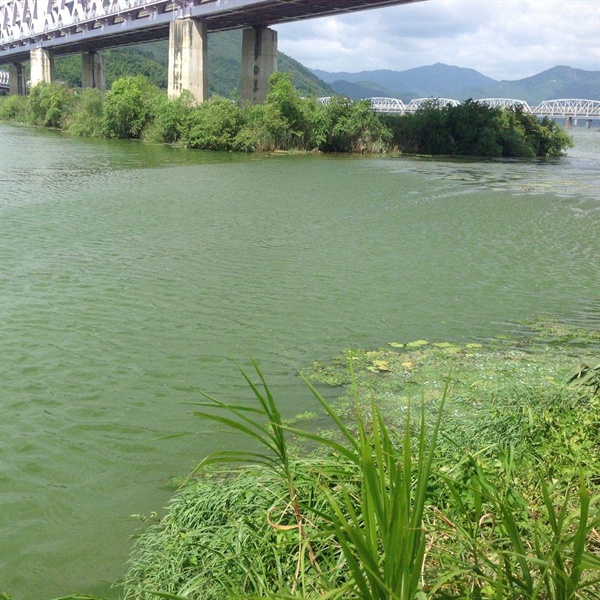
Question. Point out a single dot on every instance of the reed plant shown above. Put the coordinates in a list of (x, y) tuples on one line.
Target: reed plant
[(358, 517), (380, 526), (379, 511)]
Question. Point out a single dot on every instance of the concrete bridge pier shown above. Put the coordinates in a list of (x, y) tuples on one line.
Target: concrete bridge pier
[(17, 85), (569, 123), (92, 75), (42, 66), (188, 65), (588, 123), (259, 62)]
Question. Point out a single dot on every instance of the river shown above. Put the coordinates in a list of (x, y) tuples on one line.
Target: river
[(133, 275)]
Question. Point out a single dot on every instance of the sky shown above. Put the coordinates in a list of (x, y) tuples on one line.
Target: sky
[(503, 39)]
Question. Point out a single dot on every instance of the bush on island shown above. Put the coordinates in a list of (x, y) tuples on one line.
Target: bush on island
[(136, 109)]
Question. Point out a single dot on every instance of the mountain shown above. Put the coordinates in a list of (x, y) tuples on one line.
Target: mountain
[(555, 83), (439, 80), (362, 89), (444, 81), (224, 64)]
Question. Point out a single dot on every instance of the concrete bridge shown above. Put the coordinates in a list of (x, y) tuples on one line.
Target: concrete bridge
[(39, 30)]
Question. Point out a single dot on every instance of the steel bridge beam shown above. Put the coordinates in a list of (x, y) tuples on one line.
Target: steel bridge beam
[(90, 25)]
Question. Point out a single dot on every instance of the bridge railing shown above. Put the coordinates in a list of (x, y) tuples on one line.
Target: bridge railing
[(22, 19)]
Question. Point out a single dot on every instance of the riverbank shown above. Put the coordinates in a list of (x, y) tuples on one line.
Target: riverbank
[(506, 494), (490, 491), (136, 109)]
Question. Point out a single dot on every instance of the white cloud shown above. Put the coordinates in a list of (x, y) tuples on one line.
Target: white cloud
[(503, 39)]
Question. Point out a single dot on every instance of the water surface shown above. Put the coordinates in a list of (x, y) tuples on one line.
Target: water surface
[(133, 274)]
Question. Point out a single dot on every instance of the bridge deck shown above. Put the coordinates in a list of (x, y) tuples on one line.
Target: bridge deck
[(129, 22)]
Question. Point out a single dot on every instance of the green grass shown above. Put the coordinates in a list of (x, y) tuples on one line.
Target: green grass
[(491, 492), (500, 501)]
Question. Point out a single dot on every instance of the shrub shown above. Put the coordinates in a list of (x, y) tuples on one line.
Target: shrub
[(214, 125), (475, 129), (424, 132), (135, 108), (545, 137), (347, 126), (86, 117), (50, 104), (127, 107), (14, 108), (282, 123), (169, 122)]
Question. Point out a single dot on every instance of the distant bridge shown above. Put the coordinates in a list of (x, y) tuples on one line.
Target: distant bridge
[(417, 103), (589, 109), (394, 105), (387, 105), (506, 103), (567, 108)]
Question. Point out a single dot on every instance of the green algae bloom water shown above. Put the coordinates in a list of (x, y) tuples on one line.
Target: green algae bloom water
[(133, 274)]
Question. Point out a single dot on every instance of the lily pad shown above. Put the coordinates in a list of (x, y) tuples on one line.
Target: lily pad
[(473, 345), (451, 350), (381, 365), (396, 344), (417, 343), (443, 345)]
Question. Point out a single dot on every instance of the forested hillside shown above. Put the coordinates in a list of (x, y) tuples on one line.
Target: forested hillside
[(224, 58)]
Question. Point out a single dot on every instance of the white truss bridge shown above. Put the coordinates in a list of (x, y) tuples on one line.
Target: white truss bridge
[(589, 109), (575, 108), (387, 105), (506, 103)]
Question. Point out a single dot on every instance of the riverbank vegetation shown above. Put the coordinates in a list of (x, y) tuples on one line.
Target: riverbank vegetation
[(442, 471), (136, 109), (491, 491)]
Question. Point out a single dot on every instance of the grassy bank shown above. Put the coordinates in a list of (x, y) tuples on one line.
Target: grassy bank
[(481, 484), (489, 490), (136, 109)]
